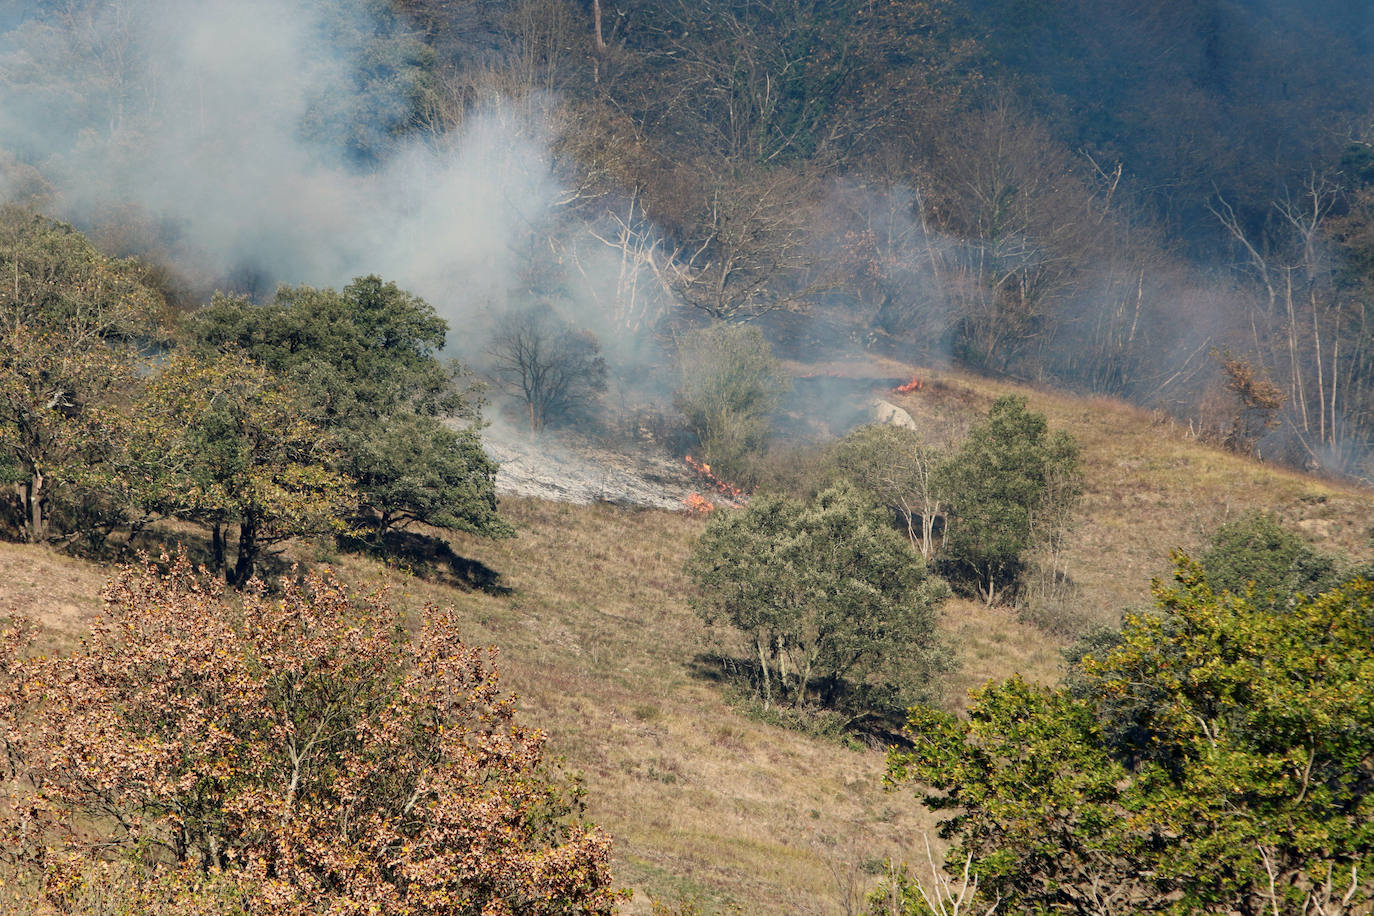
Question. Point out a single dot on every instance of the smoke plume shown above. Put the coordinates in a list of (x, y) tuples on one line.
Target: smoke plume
[(254, 143)]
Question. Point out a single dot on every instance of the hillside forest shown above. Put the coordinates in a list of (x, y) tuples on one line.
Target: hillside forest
[(966, 320)]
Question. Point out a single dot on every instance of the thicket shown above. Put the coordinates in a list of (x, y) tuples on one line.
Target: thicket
[(293, 755), (1214, 758)]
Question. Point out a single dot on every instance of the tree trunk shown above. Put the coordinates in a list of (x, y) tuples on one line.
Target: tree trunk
[(248, 552), (596, 18), (763, 671), (33, 505), (217, 547)]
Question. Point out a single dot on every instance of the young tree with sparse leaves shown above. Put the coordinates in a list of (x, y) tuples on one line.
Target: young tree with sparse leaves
[(900, 472), (729, 383), (555, 370)]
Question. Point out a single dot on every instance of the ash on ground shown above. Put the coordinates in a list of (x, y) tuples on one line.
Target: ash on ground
[(568, 466)]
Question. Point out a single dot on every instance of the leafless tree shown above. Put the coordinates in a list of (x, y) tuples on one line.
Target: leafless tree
[(553, 368)]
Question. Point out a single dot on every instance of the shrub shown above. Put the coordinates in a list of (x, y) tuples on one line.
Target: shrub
[(298, 755), (837, 609), (1256, 552), (729, 383)]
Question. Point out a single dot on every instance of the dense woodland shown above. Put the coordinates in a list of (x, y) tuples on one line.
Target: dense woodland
[(1168, 204)]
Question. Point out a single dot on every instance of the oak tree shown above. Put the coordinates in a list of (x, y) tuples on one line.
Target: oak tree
[(365, 362), (281, 756), (73, 324), (228, 444)]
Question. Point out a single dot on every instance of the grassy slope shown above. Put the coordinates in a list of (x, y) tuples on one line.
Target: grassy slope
[(599, 642)]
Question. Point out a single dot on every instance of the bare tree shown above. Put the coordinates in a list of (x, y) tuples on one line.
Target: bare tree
[(553, 368), (1305, 330)]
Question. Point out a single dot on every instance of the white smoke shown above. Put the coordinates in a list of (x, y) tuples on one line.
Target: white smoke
[(230, 131)]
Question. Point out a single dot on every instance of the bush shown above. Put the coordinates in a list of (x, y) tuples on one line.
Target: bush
[(298, 755), (1212, 757), (837, 609), (729, 383), (1012, 485), (1256, 552)]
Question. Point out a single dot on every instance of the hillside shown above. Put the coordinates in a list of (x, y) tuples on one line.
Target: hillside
[(590, 612)]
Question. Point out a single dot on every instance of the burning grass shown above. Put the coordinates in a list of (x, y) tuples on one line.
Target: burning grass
[(916, 384), (735, 497)]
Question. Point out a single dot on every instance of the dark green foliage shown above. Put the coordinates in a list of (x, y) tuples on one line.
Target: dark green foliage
[(836, 608), (370, 348), (1242, 783), (1256, 552), (1011, 484), (415, 468), (366, 361)]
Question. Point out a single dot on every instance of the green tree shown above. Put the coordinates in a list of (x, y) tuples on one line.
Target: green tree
[(837, 609), (892, 465), (1011, 485), (72, 323), (1256, 552), (365, 360), (1243, 784), (413, 468), (728, 384), (227, 443)]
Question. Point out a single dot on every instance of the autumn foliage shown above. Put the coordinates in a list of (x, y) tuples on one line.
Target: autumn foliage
[(287, 755)]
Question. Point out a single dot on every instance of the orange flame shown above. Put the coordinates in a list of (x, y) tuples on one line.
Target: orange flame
[(735, 496), (916, 384), (698, 505)]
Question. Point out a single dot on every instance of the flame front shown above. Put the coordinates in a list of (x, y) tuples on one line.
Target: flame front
[(736, 497), (916, 384)]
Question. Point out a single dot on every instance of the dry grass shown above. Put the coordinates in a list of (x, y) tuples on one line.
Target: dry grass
[(992, 645), (705, 801), (1149, 488), (61, 592)]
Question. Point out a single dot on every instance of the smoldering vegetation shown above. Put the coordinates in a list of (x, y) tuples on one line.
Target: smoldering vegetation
[(1015, 190)]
